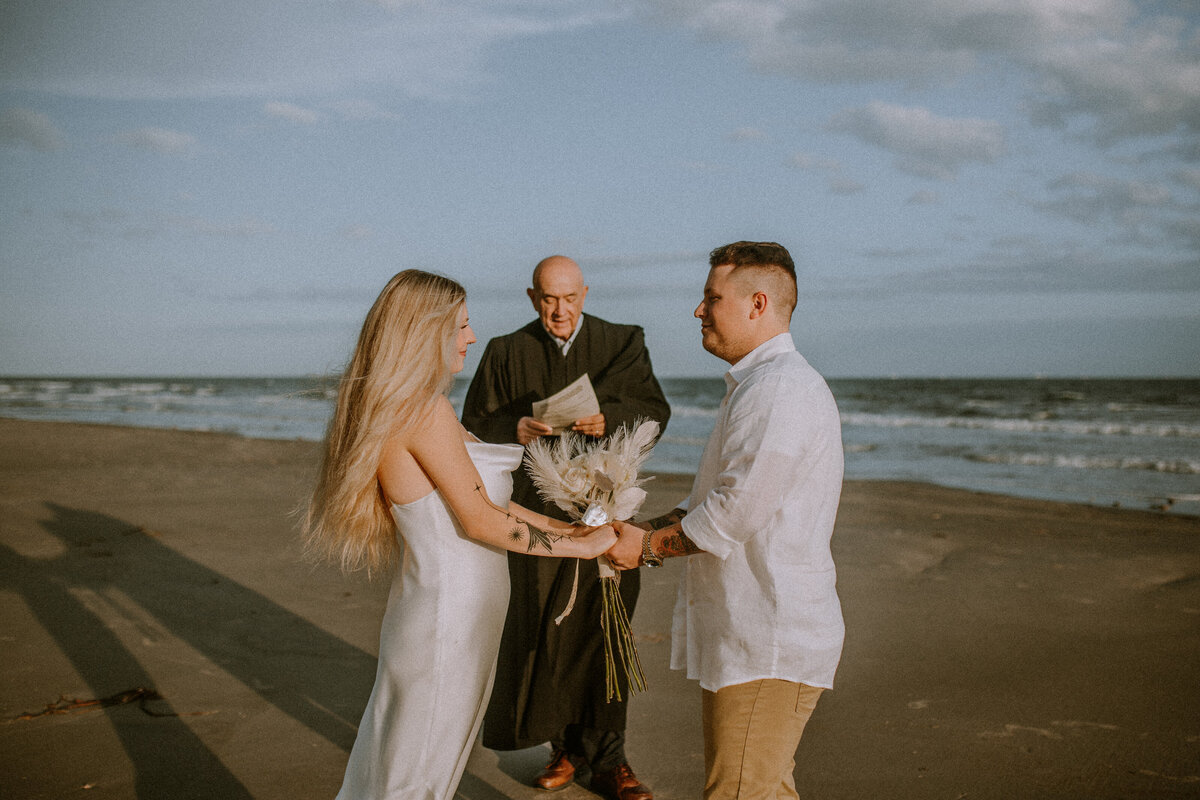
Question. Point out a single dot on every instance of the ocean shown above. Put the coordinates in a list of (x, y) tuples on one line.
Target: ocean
[(1112, 442)]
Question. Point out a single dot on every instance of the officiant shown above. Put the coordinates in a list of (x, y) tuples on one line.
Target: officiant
[(550, 683)]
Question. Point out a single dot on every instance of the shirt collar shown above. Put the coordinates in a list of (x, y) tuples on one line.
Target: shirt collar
[(565, 344), (781, 343)]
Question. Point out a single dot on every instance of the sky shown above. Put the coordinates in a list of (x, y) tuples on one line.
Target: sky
[(968, 187)]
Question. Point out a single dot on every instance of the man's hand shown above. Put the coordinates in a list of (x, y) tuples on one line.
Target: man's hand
[(627, 552), (529, 429), (592, 426)]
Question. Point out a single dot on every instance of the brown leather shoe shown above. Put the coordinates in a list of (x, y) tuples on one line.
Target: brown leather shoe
[(619, 783), (558, 774)]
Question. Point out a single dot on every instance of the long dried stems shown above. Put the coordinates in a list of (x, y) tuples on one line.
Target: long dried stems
[(618, 641)]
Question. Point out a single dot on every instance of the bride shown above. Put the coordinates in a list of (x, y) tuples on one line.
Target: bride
[(404, 486)]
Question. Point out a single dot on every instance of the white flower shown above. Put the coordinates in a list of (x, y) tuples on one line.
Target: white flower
[(574, 479)]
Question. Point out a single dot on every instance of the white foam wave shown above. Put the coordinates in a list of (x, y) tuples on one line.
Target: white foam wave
[(1011, 425), (1172, 466)]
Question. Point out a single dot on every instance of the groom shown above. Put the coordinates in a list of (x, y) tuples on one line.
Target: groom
[(757, 619)]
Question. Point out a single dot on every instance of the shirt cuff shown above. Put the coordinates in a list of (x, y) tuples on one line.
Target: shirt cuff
[(699, 527)]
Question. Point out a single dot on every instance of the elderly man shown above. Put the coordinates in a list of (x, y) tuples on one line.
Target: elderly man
[(550, 678), (757, 620)]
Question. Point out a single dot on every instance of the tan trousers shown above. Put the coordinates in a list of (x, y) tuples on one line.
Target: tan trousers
[(751, 732)]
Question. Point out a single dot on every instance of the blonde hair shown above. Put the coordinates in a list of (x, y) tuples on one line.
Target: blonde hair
[(403, 362)]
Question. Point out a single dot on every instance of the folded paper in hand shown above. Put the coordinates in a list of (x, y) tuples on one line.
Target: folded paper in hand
[(561, 409)]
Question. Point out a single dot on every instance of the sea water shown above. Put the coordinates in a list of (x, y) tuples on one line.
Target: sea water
[(1133, 443)]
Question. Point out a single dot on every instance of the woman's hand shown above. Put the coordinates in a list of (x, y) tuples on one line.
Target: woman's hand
[(595, 541)]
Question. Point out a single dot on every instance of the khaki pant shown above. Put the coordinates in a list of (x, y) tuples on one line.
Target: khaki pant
[(751, 732)]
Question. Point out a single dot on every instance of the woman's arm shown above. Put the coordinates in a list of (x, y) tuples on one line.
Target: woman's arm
[(438, 448), (546, 523)]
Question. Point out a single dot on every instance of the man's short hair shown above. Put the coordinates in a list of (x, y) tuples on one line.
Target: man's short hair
[(768, 256), (753, 254)]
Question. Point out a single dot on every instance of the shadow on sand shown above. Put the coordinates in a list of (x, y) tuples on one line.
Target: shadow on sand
[(312, 676)]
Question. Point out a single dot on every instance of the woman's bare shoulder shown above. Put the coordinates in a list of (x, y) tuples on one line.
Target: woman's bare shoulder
[(439, 424)]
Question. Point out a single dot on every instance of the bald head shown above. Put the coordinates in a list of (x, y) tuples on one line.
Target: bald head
[(557, 269), (558, 293)]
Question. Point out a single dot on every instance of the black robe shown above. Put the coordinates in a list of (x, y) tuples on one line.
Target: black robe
[(549, 676)]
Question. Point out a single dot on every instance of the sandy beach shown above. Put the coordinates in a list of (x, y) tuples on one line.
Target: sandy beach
[(996, 647)]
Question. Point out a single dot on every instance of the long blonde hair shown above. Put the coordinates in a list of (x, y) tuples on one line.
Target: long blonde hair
[(403, 361)]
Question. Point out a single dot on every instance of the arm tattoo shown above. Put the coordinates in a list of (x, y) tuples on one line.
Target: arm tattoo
[(537, 536), (546, 539), (667, 520), (674, 542)]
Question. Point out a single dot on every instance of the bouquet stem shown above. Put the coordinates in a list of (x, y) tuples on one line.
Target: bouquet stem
[(618, 640)]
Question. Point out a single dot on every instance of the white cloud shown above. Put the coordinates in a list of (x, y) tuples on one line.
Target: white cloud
[(1125, 68), (1138, 211), (1096, 199), (229, 48), (291, 112), (159, 140), (1143, 81), (924, 144), (22, 126)]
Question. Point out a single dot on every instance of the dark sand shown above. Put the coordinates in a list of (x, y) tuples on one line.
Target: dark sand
[(996, 647)]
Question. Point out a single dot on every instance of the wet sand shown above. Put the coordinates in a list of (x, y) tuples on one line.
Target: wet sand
[(996, 647)]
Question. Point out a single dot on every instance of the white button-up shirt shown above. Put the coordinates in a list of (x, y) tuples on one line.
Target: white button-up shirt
[(761, 601), (565, 344)]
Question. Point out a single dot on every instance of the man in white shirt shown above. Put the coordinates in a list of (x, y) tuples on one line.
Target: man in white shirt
[(757, 620)]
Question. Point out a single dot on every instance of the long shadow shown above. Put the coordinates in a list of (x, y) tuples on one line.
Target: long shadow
[(312, 676), (168, 758)]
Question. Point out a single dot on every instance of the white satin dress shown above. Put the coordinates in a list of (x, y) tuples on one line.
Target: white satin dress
[(437, 648)]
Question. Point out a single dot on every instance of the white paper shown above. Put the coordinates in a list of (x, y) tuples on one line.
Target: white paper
[(561, 409)]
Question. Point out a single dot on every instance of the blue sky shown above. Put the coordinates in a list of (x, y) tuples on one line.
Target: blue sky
[(969, 187)]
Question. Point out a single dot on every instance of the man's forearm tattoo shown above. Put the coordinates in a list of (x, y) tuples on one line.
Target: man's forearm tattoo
[(667, 520), (674, 542)]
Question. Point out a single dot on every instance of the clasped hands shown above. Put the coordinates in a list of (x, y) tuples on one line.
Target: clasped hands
[(529, 428), (627, 552)]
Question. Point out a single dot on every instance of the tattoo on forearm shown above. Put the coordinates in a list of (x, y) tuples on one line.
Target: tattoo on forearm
[(546, 539), (676, 543), (537, 536), (667, 520)]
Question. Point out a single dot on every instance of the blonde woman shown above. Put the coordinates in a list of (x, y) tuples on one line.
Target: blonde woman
[(402, 482)]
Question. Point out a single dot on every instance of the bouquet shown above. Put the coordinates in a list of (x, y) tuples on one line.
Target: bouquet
[(597, 482)]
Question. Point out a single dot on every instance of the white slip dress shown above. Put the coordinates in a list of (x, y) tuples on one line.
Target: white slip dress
[(437, 647)]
